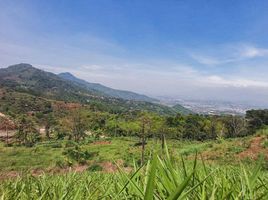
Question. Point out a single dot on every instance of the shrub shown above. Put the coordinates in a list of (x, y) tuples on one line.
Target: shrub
[(95, 167), (77, 154), (61, 164), (71, 143)]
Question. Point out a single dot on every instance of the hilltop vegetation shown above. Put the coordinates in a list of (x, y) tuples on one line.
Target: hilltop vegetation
[(23, 78), (127, 95)]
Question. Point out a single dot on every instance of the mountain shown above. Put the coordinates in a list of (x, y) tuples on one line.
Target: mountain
[(127, 95), (23, 79), (26, 78), (179, 108)]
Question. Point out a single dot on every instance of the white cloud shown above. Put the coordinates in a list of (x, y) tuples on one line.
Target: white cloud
[(206, 60), (248, 51), (228, 54), (236, 82)]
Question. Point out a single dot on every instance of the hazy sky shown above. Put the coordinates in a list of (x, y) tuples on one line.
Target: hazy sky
[(190, 49)]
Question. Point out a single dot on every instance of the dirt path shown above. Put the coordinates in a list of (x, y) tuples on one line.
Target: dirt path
[(254, 150)]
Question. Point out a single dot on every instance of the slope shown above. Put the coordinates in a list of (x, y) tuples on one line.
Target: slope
[(127, 95)]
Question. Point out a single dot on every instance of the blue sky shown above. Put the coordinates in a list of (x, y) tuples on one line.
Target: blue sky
[(187, 49)]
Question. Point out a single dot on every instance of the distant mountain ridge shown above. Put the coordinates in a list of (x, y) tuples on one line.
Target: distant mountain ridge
[(25, 79), (123, 94)]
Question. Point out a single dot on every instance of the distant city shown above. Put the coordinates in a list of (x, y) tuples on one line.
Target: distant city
[(212, 107)]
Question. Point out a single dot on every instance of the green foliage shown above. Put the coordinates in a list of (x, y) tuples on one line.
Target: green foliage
[(77, 154), (25, 80), (60, 163), (236, 149), (95, 168), (159, 178), (27, 133), (127, 95), (27, 90), (257, 119)]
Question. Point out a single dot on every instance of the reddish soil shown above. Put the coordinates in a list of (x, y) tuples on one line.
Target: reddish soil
[(39, 172), (254, 150), (108, 167), (10, 174)]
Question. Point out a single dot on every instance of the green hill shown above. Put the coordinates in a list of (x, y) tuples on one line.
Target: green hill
[(25, 79), (127, 95)]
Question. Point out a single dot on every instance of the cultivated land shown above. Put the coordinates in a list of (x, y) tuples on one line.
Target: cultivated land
[(48, 156), (111, 170)]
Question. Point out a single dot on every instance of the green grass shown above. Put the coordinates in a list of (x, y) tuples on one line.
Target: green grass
[(160, 178), (177, 174), (24, 158), (49, 154)]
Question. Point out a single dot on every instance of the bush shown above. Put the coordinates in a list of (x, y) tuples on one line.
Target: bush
[(77, 154), (52, 144), (265, 144), (95, 168), (236, 149), (61, 164), (71, 143)]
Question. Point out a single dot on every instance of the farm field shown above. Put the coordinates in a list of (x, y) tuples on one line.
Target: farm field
[(48, 155), (111, 169)]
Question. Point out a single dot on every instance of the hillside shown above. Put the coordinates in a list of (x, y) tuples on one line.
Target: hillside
[(18, 80), (127, 95), (27, 79), (179, 108)]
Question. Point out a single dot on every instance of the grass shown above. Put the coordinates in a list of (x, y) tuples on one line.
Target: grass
[(49, 154), (23, 158), (161, 177)]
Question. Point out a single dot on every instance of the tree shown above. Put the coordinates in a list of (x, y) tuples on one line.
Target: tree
[(193, 127), (78, 125), (160, 128), (256, 119), (145, 127), (49, 122), (27, 133), (235, 126), (6, 125)]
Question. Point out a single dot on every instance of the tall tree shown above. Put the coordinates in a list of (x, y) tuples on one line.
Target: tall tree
[(49, 122), (27, 133), (78, 125), (145, 125)]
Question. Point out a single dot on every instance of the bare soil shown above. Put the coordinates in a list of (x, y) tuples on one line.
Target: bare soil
[(254, 150)]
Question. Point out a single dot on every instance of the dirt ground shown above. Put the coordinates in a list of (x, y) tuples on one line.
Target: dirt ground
[(254, 150), (108, 167)]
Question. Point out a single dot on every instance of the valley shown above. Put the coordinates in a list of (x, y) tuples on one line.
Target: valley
[(58, 127)]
